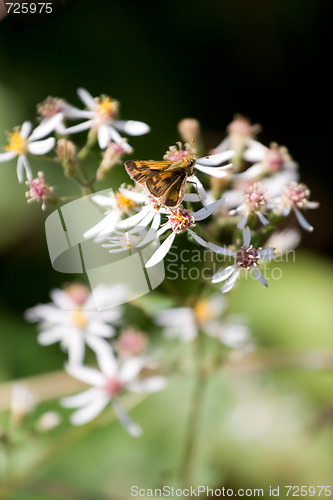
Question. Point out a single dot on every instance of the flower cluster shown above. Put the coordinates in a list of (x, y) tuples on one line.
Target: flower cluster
[(235, 202)]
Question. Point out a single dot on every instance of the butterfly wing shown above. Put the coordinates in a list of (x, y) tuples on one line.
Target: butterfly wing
[(168, 186), (141, 171)]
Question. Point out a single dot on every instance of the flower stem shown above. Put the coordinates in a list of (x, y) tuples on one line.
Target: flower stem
[(196, 406)]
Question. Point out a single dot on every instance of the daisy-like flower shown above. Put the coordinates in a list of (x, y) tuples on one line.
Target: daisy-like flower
[(116, 205), (102, 119), (71, 319), (295, 197), (39, 191), (52, 113), (268, 161), (254, 201), (246, 258), (21, 143), (179, 221), (207, 315), (108, 384), (121, 241)]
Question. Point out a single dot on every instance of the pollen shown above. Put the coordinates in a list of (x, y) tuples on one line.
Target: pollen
[(254, 197), (247, 257), (180, 220), (124, 204), (296, 194), (107, 108), (203, 311), (16, 143), (78, 319)]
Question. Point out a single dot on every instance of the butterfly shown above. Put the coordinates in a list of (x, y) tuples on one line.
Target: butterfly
[(165, 180)]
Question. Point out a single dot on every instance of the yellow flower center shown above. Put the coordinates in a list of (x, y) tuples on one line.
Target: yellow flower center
[(124, 203), (203, 311), (17, 143), (107, 108), (78, 319)]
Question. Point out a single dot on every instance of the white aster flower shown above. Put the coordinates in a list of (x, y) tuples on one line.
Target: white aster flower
[(22, 142), (72, 319), (267, 161), (149, 215), (179, 221), (295, 197), (246, 258), (52, 113), (102, 117), (254, 201), (116, 205), (108, 384), (207, 315)]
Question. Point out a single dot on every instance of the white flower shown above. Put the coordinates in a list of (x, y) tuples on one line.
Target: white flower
[(52, 112), (284, 241), (254, 201), (109, 383), (101, 116), (149, 215), (181, 220), (22, 142), (246, 258), (117, 205), (267, 161), (206, 315), (22, 401), (295, 197), (71, 319), (121, 241)]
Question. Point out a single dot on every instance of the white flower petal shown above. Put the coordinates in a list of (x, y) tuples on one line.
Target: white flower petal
[(131, 427), (134, 220), (243, 220), (247, 236), (76, 348), (46, 127), (262, 219), (151, 384), (302, 221), (260, 277), (105, 226), (161, 251), (86, 374), (51, 336), (80, 399), (23, 165), (62, 299), (197, 238), (103, 136), (206, 211), (218, 172), (131, 368), (132, 127), (89, 412), (224, 274), (267, 254), (25, 129), (86, 98), (255, 152), (9, 155), (216, 159), (231, 281), (80, 127), (253, 172), (41, 147)]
